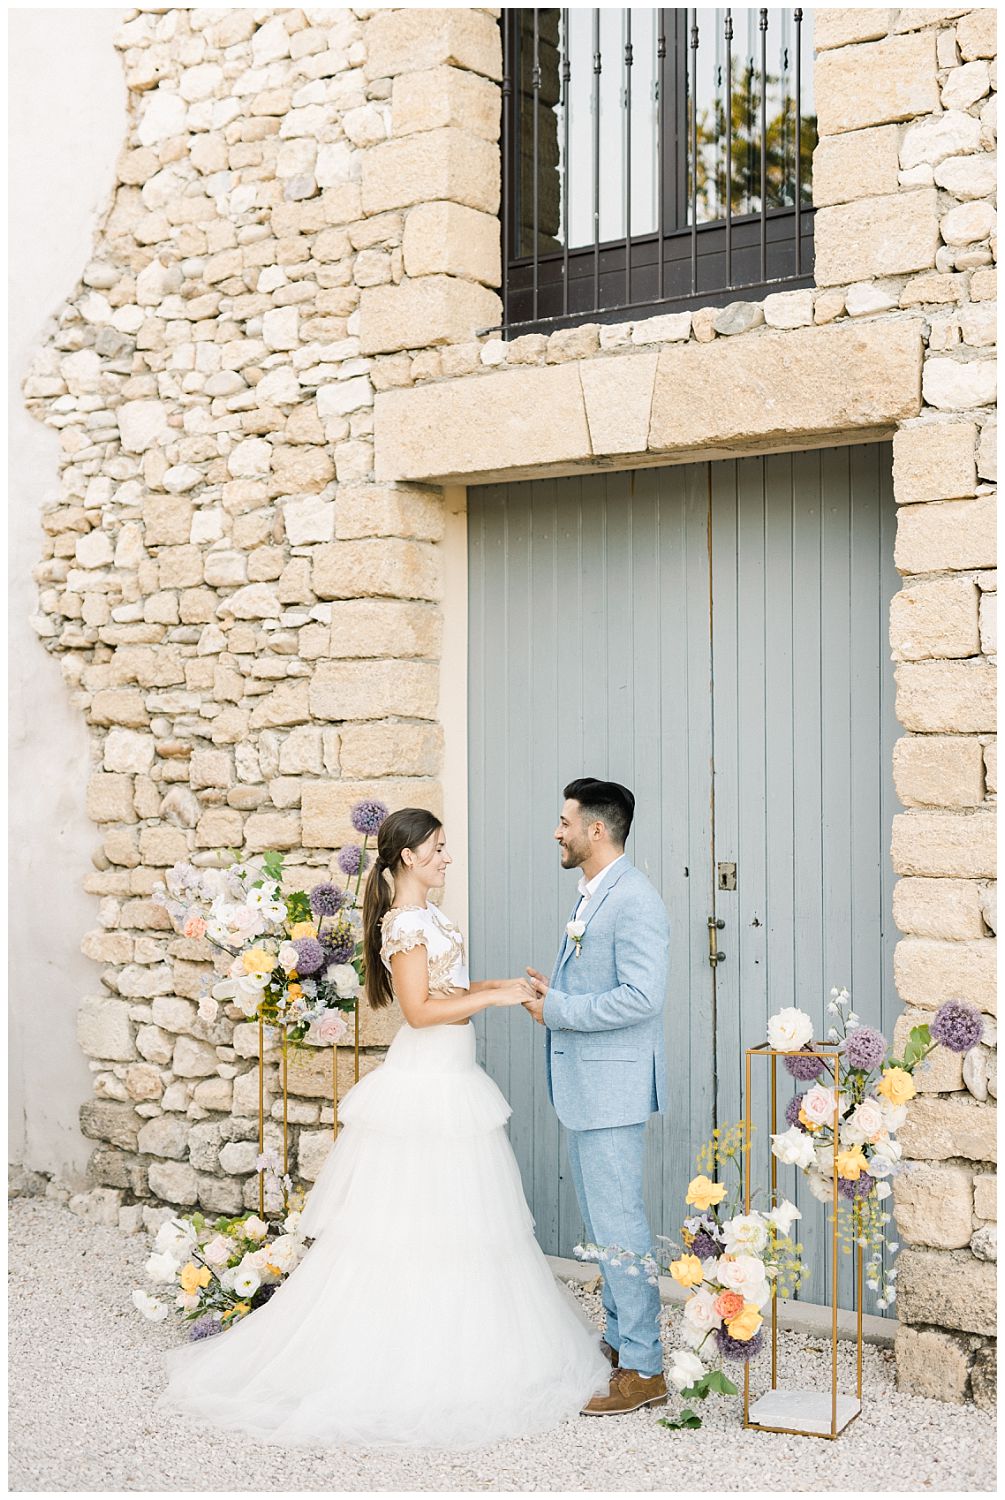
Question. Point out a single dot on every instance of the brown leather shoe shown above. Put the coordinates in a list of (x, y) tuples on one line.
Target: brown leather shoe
[(611, 1355), (629, 1390)]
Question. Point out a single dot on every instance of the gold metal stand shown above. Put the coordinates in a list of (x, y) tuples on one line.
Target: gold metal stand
[(809, 1404), (355, 1068)]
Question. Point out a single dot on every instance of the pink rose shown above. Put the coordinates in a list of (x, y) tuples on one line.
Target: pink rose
[(194, 927), (331, 1028)]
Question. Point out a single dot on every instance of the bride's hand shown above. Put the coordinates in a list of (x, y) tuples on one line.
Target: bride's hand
[(513, 992)]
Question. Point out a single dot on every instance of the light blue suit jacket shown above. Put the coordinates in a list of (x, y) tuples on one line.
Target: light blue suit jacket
[(604, 1008)]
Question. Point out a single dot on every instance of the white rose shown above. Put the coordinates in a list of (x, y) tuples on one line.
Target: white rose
[(700, 1316), (162, 1267), (744, 1274), (894, 1115), (819, 1105), (174, 1237), (685, 1369), (255, 1228), (793, 1147), (868, 1119), (885, 1156), (149, 1306), (745, 1232), (208, 1009), (783, 1216), (820, 1186), (292, 1222), (288, 957), (882, 1190), (285, 1252), (187, 1301), (345, 979), (789, 1030), (218, 1251), (575, 929)]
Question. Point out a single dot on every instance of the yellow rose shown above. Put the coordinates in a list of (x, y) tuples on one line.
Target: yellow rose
[(302, 929), (851, 1163), (702, 1193), (746, 1323), (805, 1120), (294, 991), (897, 1085), (257, 961), (192, 1277), (687, 1271)]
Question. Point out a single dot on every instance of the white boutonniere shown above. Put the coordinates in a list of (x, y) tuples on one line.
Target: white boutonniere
[(575, 931)]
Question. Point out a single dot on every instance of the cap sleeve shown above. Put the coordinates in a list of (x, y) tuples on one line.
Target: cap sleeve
[(401, 931)]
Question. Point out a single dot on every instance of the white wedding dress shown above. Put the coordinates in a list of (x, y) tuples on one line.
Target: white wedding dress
[(425, 1313)]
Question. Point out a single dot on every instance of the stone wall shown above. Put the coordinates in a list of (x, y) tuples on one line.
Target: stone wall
[(244, 594)]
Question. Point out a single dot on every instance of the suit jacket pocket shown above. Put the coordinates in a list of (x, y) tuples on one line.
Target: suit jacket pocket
[(614, 1054)]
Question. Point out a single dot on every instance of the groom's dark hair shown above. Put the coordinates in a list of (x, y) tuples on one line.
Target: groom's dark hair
[(608, 801)]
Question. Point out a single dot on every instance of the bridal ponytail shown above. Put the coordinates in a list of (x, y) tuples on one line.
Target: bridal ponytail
[(406, 829)]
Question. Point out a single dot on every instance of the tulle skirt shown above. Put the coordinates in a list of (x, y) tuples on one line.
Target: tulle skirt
[(425, 1313)]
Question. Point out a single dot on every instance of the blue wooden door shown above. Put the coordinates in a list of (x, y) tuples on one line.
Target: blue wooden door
[(714, 636)]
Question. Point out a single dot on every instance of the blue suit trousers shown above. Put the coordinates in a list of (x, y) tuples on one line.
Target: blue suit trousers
[(607, 1167)]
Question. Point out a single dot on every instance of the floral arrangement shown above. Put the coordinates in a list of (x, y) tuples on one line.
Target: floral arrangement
[(221, 1271), (731, 1263), (864, 1108), (296, 957)]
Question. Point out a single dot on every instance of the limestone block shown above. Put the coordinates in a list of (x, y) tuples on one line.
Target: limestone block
[(288, 703), (436, 97), (403, 41), (272, 830), (386, 748), (447, 164), (110, 798), (313, 1147), (941, 535), (987, 451), (984, 1373), (976, 34), (108, 947), (163, 846), (968, 223), (986, 1195), (944, 844), (219, 828), (143, 982), (936, 618), (238, 1157), (666, 328), (142, 425), (310, 1071), (477, 425), (952, 697), (427, 310), (965, 85), (956, 385), (938, 1127), (451, 239), (143, 1081), (876, 82), (618, 394), (978, 324), (966, 177), (933, 286), (832, 378), (931, 140), (219, 1195), (105, 1120), (789, 309), (835, 27), (366, 510), (155, 1045), (858, 164), (951, 1289), (327, 805), (882, 236), (167, 520), (167, 1135), (938, 908), (385, 627), (942, 1070), (928, 971), (939, 771), (377, 566), (933, 1205), (210, 768), (342, 690), (173, 1014), (174, 1181), (340, 397), (104, 1029), (933, 1363), (193, 1059), (934, 461)]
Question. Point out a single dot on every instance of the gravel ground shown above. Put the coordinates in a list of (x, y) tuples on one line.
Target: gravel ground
[(85, 1368)]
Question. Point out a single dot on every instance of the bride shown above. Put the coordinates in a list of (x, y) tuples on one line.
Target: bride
[(425, 1313)]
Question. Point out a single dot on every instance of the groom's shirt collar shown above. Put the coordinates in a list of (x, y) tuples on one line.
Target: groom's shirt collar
[(588, 888)]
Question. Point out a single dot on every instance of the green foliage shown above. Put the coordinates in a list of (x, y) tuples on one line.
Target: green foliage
[(272, 863), (687, 1418), (299, 908), (918, 1043)]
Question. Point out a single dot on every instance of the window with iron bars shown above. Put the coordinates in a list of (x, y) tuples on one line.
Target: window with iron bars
[(654, 160)]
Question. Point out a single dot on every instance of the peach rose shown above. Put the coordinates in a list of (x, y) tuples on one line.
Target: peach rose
[(728, 1305)]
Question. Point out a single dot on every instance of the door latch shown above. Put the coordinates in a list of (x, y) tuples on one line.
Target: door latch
[(714, 955)]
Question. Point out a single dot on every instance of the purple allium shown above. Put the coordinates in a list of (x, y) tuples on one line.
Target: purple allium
[(351, 859), (738, 1348), (204, 1327), (792, 1109), (340, 947), (957, 1026), (264, 1293), (366, 817), (327, 899), (310, 955), (804, 1068), (859, 1187), (865, 1048), (704, 1246)]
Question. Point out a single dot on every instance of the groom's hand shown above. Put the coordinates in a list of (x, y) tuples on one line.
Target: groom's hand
[(535, 1006)]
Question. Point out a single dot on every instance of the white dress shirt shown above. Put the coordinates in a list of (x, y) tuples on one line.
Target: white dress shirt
[(588, 888)]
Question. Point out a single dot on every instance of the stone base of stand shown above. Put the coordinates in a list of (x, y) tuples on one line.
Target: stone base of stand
[(802, 1411)]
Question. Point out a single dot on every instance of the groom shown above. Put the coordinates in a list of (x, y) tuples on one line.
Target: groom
[(603, 1008)]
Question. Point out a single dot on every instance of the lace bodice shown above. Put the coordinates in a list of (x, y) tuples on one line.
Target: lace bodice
[(405, 927)]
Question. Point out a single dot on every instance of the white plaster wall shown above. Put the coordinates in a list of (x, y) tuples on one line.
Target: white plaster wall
[(67, 124)]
